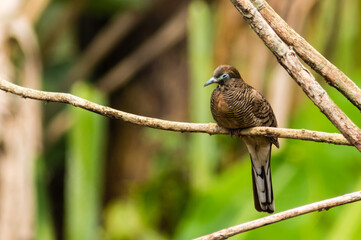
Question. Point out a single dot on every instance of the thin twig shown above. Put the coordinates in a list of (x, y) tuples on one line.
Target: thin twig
[(334, 76), (316, 206), (209, 128), (288, 59)]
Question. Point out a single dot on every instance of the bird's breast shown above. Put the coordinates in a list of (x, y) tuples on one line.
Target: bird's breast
[(221, 111)]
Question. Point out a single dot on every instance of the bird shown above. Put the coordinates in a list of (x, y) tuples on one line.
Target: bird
[(235, 105)]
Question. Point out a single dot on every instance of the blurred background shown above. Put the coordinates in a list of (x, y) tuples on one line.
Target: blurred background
[(66, 173)]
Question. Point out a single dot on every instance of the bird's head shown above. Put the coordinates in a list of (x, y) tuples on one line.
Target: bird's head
[(222, 74)]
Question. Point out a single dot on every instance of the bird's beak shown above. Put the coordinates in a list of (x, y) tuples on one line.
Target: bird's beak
[(210, 81)]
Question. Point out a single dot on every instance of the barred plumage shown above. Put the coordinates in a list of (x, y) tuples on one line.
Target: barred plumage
[(236, 105)]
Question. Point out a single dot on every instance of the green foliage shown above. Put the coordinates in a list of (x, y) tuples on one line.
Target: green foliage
[(202, 148), (125, 220), (44, 223), (109, 6), (84, 167)]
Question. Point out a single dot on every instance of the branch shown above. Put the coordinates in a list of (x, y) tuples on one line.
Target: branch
[(311, 56), (288, 59), (209, 128), (316, 206)]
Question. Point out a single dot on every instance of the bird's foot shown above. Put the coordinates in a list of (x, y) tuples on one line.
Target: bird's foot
[(234, 132)]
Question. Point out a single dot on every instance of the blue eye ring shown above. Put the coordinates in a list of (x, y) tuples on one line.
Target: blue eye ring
[(225, 76)]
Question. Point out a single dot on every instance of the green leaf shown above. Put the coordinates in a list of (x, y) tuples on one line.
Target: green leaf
[(84, 168), (202, 148)]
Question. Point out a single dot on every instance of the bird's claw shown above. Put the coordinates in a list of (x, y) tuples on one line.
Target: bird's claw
[(234, 132)]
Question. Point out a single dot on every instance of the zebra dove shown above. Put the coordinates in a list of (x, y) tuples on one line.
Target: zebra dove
[(236, 105)]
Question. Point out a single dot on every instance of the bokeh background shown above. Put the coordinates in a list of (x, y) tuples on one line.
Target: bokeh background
[(66, 173)]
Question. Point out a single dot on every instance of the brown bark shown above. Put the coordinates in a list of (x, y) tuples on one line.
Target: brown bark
[(20, 134)]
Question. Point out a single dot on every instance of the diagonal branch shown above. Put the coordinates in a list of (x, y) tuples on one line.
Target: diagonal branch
[(334, 76), (288, 59), (209, 128), (316, 206)]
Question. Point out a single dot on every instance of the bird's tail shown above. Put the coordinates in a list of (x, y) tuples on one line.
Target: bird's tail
[(262, 181)]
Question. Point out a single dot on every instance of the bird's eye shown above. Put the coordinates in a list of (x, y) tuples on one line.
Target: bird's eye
[(224, 76)]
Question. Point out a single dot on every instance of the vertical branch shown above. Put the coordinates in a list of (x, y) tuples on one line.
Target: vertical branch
[(20, 133), (288, 59)]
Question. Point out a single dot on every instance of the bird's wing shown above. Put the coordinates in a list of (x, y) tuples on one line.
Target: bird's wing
[(264, 113)]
